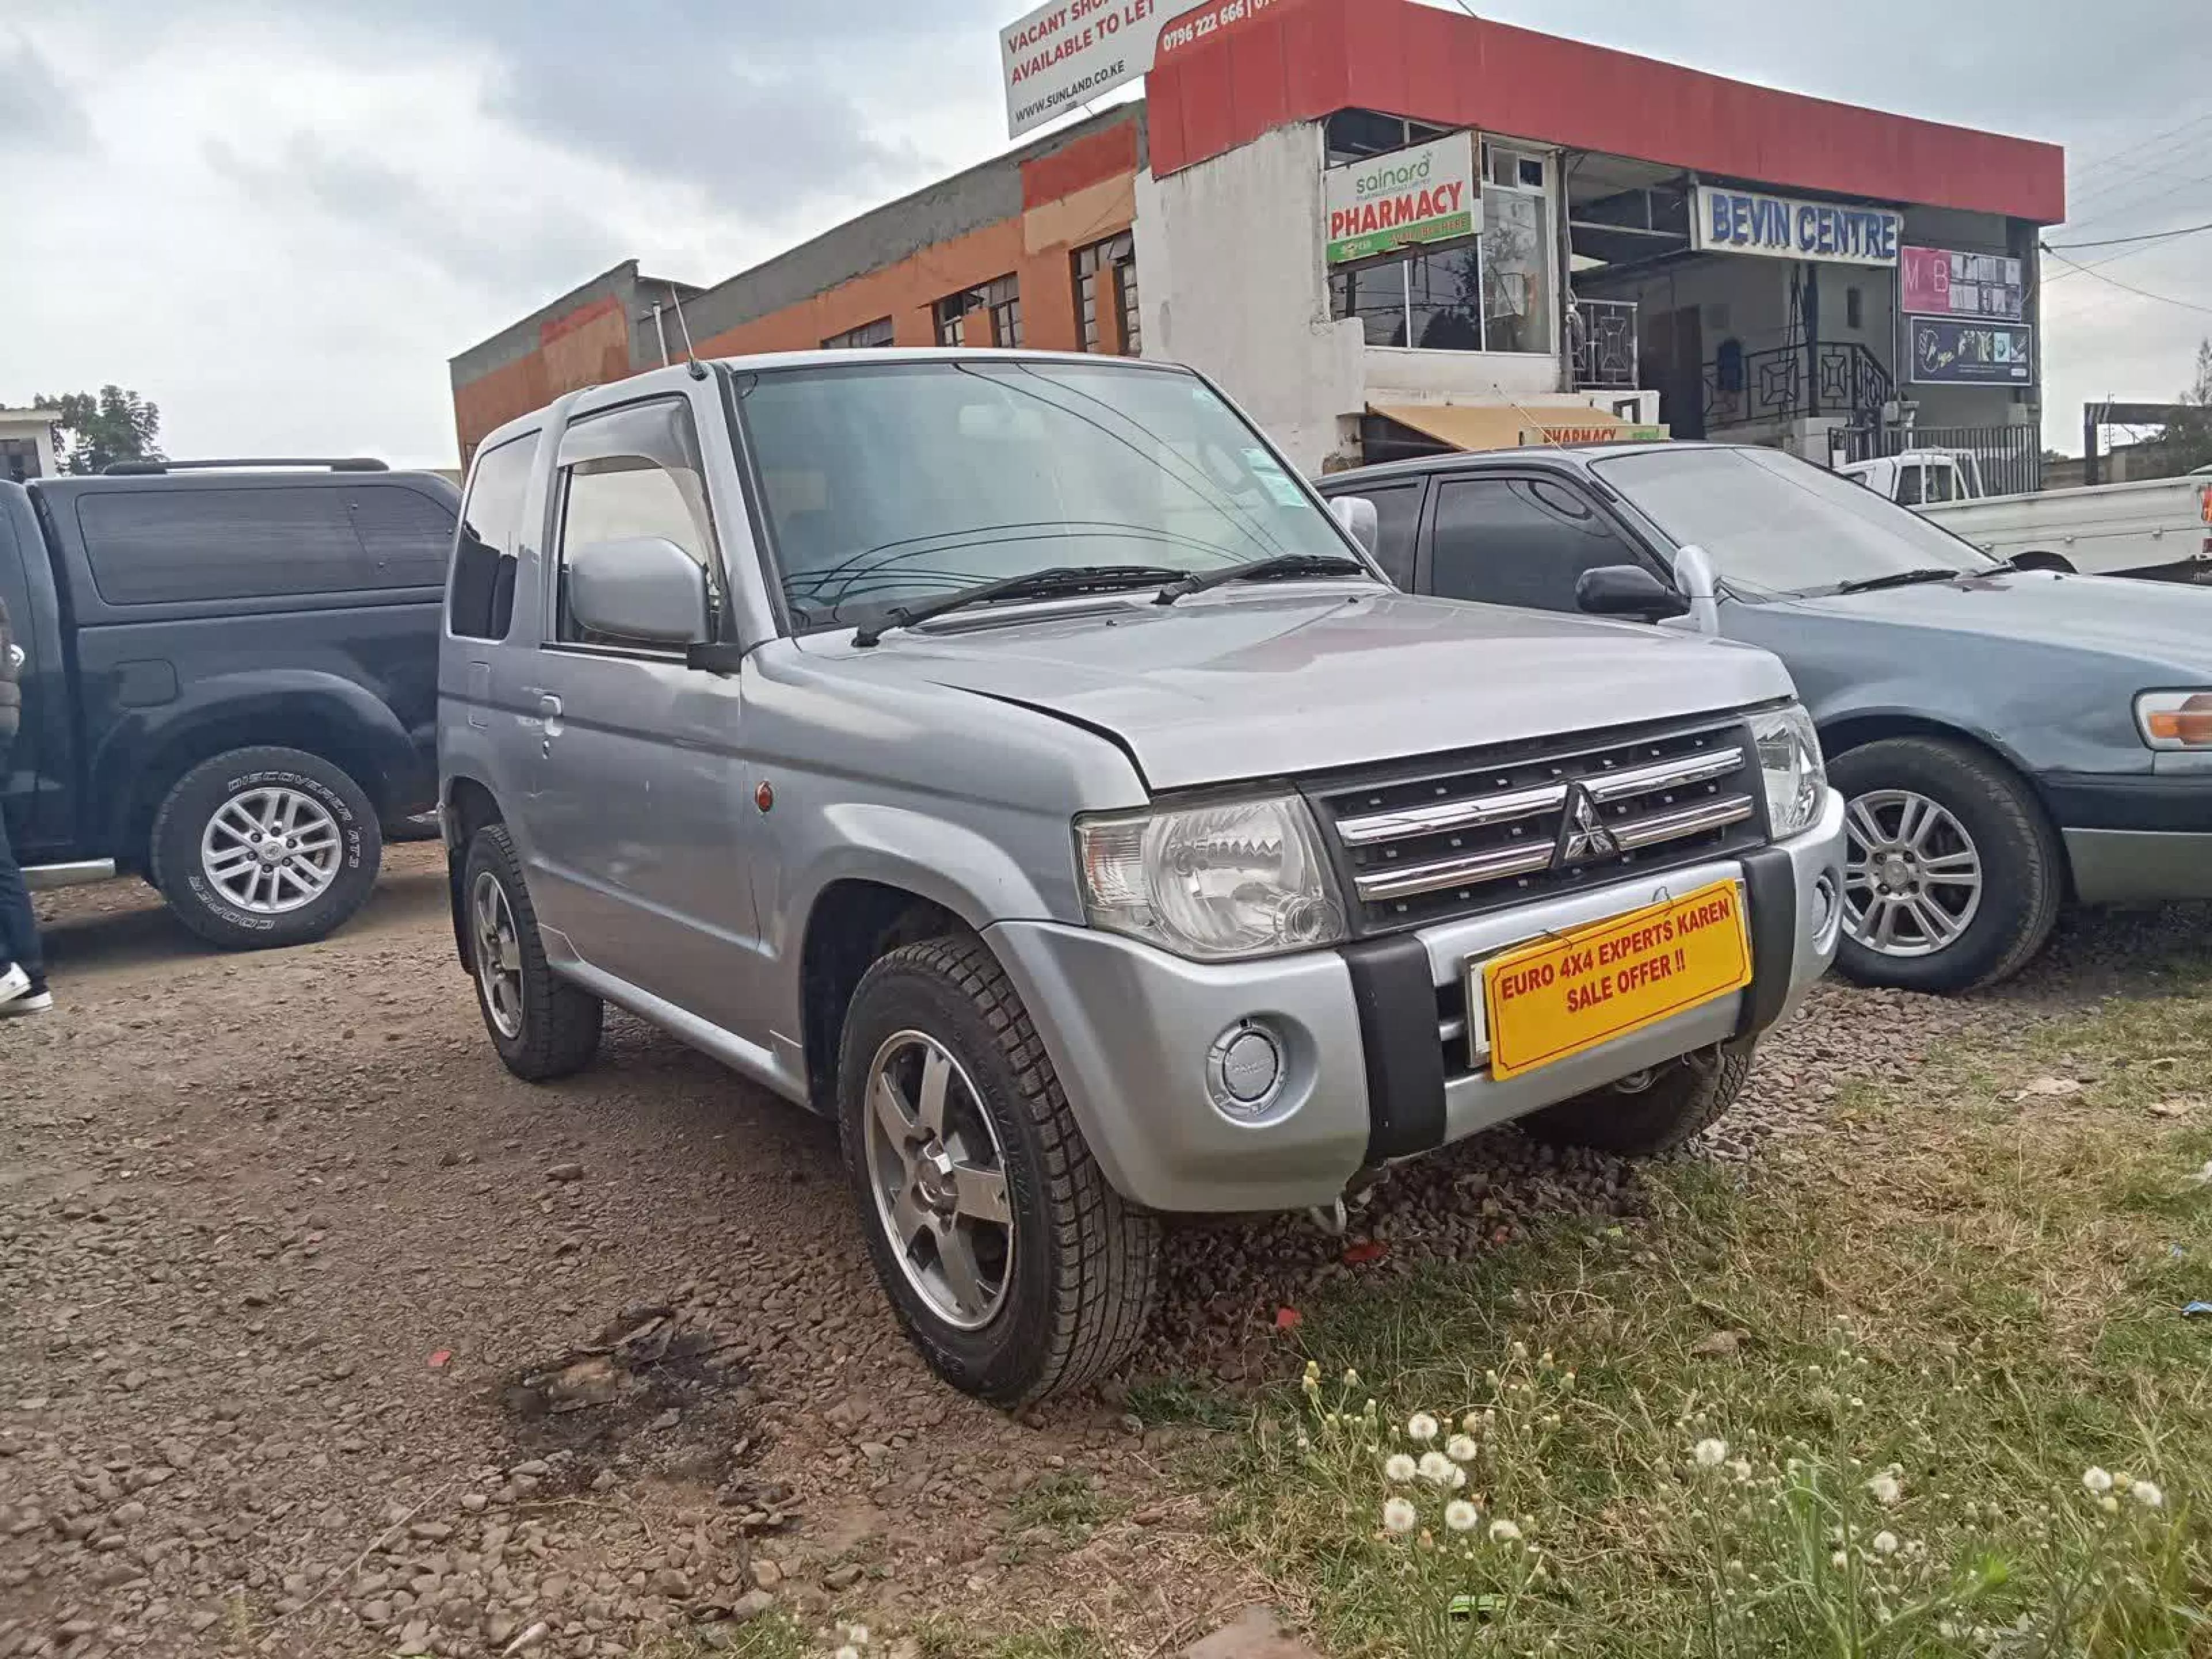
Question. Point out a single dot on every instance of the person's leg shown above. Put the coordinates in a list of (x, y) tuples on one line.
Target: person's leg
[(19, 925)]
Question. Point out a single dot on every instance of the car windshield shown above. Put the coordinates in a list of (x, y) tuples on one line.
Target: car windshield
[(888, 483), (1773, 524)]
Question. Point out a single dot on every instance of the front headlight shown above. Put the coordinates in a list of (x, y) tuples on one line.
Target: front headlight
[(1789, 763), (1239, 879), (2175, 720)]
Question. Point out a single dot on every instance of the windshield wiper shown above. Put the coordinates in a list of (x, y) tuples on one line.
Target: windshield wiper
[(1030, 585), (1899, 579), (1278, 564)]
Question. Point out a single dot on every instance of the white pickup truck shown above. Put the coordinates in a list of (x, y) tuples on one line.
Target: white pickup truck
[(2158, 527)]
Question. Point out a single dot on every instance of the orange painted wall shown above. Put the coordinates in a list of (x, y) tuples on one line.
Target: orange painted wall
[(1082, 193)]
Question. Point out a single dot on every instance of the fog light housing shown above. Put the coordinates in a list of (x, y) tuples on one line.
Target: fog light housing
[(1827, 913), (1244, 1071)]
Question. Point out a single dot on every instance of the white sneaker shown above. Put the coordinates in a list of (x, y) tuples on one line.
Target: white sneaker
[(15, 984), (37, 1002)]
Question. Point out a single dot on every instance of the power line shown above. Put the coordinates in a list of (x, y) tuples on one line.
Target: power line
[(2145, 143), (2125, 288), (2114, 241)]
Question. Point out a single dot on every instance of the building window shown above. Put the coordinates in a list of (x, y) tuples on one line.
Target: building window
[(958, 323), (1494, 295), (1106, 279), (878, 333), (1854, 308)]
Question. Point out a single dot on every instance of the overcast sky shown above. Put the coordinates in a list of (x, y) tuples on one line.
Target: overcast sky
[(279, 224)]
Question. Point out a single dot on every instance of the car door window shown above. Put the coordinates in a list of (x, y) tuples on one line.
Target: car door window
[(1908, 486), (1940, 482), (482, 605), (1519, 541), (1398, 515), (632, 471)]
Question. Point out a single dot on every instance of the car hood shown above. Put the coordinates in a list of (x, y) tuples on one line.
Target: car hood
[(1223, 688), (2164, 623)]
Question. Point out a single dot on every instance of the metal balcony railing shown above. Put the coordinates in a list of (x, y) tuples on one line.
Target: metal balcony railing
[(1601, 335), (1791, 382)]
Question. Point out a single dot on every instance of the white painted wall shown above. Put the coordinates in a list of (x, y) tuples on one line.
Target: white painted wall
[(1230, 272), (36, 426)]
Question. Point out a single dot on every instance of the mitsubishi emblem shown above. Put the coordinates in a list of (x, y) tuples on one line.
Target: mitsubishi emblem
[(1583, 836)]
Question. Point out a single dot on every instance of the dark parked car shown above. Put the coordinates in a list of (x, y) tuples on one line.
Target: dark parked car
[(2007, 739), (231, 682)]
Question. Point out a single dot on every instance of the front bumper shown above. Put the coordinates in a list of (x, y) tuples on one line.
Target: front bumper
[(2140, 836), (1376, 1066)]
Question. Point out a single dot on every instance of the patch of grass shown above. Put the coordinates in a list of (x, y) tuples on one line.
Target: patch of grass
[(1061, 1500), (1977, 1289), (773, 1636), (1175, 1401), (941, 1639)]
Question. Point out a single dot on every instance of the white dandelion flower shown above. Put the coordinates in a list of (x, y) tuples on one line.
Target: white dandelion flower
[(847, 1653), (1437, 1468), (1885, 1543), (1399, 1516), (1461, 1516), (1503, 1531), (2148, 1495), (1421, 1427), (1712, 1454), (1458, 1478), (1740, 1468), (1398, 1468), (1839, 1560), (2096, 1479), (1461, 1448), (1885, 1488)]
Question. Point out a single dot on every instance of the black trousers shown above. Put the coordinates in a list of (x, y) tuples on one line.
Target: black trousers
[(19, 927)]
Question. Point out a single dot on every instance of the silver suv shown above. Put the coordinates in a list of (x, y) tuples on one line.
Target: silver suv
[(1008, 756)]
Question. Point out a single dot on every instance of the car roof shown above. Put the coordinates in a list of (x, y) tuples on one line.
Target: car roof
[(1557, 457), (245, 477)]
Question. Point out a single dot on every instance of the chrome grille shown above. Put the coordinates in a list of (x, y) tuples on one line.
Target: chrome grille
[(1457, 835)]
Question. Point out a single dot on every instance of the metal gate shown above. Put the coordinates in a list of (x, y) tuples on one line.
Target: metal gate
[(2009, 457)]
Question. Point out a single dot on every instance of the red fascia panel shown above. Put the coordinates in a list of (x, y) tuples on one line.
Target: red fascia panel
[(570, 321), (1453, 70), (1087, 162)]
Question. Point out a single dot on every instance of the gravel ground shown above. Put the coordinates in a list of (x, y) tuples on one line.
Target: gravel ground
[(295, 1284)]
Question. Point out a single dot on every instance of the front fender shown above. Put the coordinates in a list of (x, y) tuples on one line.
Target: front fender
[(294, 707)]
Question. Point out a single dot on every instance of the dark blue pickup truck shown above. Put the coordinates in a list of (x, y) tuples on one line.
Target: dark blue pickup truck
[(230, 684)]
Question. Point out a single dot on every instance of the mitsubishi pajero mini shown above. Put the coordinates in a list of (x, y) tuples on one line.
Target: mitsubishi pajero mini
[(1008, 756)]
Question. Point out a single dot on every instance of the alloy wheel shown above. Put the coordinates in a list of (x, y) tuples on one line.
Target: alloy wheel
[(271, 851), (498, 952), (938, 1175), (1913, 876)]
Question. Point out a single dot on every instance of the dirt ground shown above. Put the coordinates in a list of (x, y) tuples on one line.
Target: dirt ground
[(320, 1334)]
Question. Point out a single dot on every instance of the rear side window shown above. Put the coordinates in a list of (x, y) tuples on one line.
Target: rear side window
[(155, 546), (491, 541)]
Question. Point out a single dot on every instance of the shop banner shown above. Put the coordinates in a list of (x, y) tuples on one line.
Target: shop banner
[(1554, 432), (1949, 352), (1941, 282), (1783, 227), (1382, 202), (1068, 52)]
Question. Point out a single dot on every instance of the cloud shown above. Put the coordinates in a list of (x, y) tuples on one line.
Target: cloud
[(41, 114), (504, 244)]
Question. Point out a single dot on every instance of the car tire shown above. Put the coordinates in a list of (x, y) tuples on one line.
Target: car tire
[(1058, 1270), (204, 850), (1653, 1111), (1987, 825), (544, 1027)]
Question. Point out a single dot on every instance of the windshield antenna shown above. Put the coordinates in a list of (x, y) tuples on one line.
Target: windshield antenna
[(690, 356), (1547, 441)]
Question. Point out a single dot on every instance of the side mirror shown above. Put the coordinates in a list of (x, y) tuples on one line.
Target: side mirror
[(644, 588), (1695, 582), (1358, 516), (1626, 590)]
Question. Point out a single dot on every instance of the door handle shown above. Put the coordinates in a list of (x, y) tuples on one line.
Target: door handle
[(550, 706), (548, 717)]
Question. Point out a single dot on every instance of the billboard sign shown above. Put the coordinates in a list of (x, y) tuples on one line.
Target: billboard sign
[(1940, 282), (1950, 351), (1068, 52), (1783, 227), (1380, 203), (1203, 24)]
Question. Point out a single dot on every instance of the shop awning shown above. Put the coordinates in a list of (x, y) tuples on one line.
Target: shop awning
[(1489, 426)]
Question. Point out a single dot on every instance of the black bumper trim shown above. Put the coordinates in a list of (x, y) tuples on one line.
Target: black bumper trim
[(1770, 883), (2147, 800), (1396, 1002)]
